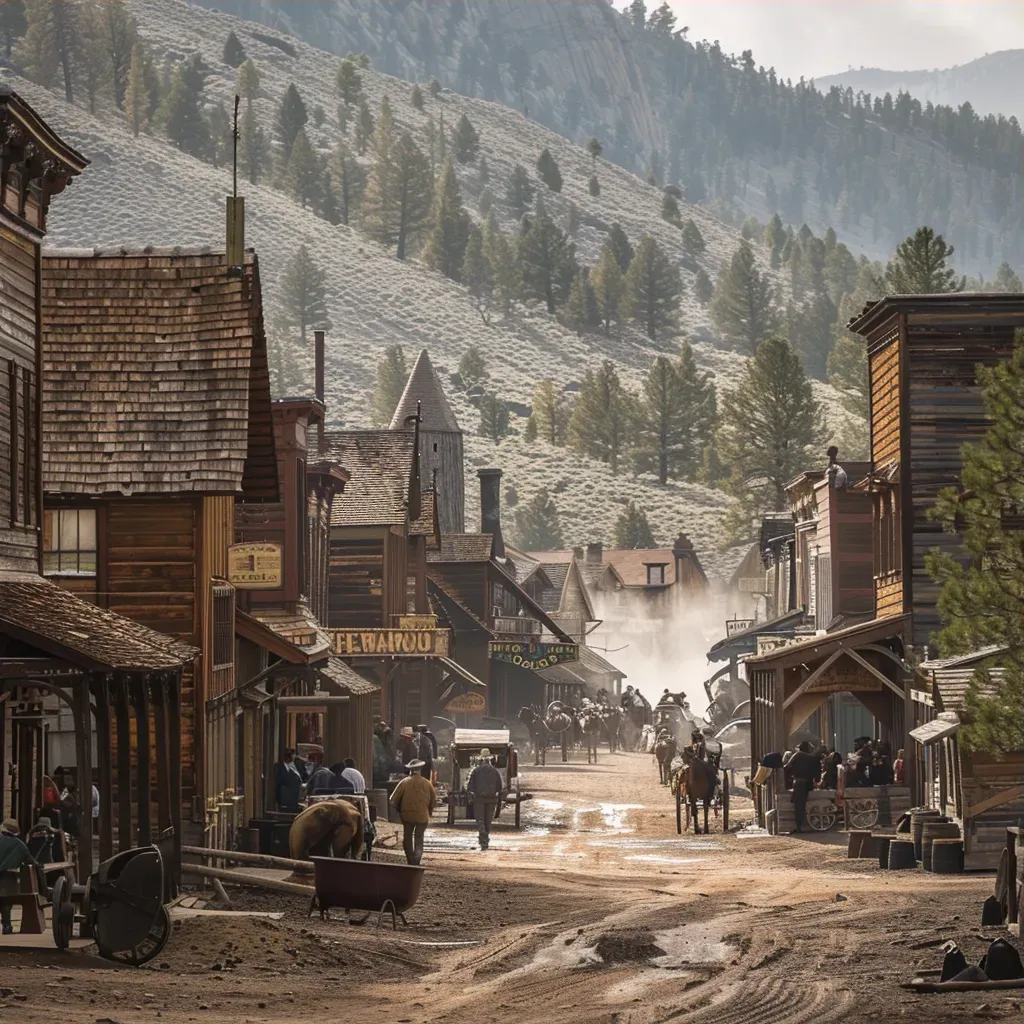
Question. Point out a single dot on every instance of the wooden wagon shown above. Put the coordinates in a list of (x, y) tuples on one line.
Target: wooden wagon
[(860, 807), (465, 749)]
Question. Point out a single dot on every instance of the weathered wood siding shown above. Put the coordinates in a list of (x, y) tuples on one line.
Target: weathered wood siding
[(396, 580), (885, 400), (441, 451), (983, 776), (356, 584), (19, 437), (852, 562)]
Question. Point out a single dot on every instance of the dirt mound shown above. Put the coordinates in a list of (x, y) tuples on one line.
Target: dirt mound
[(627, 946)]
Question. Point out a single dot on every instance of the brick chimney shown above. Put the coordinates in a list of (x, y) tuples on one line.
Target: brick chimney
[(490, 507), (595, 553)]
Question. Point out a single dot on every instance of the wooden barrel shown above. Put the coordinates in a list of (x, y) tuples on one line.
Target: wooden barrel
[(947, 856), (882, 846), (935, 830), (901, 854), (858, 839), (917, 820)]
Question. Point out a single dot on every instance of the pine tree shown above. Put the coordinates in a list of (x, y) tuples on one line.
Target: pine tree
[(609, 287), (416, 97), (392, 375), (476, 273), (530, 431), (446, 247), (602, 420), (473, 369), (693, 240), (618, 242), (548, 170), (219, 126), (234, 53), (50, 47), (670, 209), (653, 289), (772, 429), (13, 24), (291, 119), (743, 308), (465, 142), (180, 114), (330, 206), (502, 262), (775, 239), (848, 361), (398, 195), (703, 289), (546, 263), (349, 85), (434, 88), (483, 171), (595, 149), (809, 329), (319, 116), (919, 266), (252, 146), (581, 311), (632, 530), (494, 417), (364, 128), (551, 413), (90, 55), (594, 186), (537, 526), (983, 593), (638, 13), (303, 176), (350, 183), (303, 295), (663, 20), (136, 98), (675, 418), (119, 38), (572, 220), (1007, 280), (519, 191), (247, 82)]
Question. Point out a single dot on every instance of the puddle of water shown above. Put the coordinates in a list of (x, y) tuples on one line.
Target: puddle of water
[(685, 845), (653, 858)]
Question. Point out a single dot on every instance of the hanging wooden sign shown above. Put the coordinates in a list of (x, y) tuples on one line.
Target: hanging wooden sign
[(466, 703), (391, 643), (255, 566), (533, 655)]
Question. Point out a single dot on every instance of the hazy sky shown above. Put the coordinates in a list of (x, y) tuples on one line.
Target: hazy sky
[(820, 37)]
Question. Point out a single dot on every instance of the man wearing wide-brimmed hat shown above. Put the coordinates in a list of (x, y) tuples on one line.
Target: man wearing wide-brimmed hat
[(13, 853), (414, 799), (484, 791)]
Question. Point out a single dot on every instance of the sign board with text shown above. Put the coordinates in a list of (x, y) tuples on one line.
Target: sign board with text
[(255, 566), (533, 655), (390, 643), (466, 703)]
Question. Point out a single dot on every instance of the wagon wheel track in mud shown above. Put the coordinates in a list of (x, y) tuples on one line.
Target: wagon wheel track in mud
[(770, 1001)]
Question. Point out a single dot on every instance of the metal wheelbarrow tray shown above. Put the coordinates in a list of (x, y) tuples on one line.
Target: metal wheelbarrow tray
[(365, 885)]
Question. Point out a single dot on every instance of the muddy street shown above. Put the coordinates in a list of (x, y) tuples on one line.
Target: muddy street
[(594, 911)]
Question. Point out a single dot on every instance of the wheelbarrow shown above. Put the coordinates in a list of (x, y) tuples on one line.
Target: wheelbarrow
[(364, 885), (121, 906)]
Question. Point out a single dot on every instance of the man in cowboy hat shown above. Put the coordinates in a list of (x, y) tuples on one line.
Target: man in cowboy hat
[(484, 791), (14, 853), (427, 750), (414, 799)]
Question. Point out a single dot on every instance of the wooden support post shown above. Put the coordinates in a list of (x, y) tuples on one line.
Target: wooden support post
[(124, 764), (104, 782), (174, 723), (163, 758), (83, 759), (140, 702)]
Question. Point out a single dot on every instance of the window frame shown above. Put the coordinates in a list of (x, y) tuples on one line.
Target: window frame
[(55, 533)]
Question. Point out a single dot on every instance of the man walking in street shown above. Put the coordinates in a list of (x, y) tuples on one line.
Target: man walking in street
[(802, 770), (414, 800), (484, 791)]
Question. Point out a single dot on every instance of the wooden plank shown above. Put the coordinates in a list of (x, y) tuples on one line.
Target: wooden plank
[(1003, 797)]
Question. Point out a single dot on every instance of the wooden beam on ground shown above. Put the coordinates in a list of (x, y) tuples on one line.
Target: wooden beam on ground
[(244, 878)]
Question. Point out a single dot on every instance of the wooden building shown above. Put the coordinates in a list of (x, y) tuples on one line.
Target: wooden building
[(156, 420), (440, 443), (113, 675)]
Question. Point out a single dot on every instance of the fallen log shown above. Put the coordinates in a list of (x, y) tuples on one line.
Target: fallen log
[(244, 878), (260, 860)]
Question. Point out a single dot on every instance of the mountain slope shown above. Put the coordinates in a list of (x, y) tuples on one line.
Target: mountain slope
[(991, 84), (142, 191)]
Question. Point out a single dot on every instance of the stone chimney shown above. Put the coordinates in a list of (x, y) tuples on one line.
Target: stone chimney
[(490, 507), (595, 553)]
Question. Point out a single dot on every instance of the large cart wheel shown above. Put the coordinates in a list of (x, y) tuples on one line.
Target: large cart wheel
[(151, 946), (63, 911), (725, 801), (863, 814), (822, 817)]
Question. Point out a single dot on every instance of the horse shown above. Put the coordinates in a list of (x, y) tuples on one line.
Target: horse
[(592, 726), (664, 751), (559, 722), (330, 828), (613, 718), (539, 733), (701, 782)]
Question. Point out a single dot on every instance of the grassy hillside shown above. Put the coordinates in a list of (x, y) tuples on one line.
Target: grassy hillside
[(142, 191)]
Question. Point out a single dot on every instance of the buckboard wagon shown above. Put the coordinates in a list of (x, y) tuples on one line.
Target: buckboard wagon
[(862, 807), (465, 749)]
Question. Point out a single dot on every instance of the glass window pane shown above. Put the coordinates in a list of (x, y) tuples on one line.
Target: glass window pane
[(50, 531), (69, 529), (87, 529)]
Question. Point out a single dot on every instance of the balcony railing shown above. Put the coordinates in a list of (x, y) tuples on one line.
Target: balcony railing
[(516, 626)]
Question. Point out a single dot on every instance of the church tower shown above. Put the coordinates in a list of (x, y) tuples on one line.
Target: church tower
[(440, 442)]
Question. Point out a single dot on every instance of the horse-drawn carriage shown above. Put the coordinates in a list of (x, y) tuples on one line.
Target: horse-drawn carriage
[(679, 721), (466, 747), (700, 782)]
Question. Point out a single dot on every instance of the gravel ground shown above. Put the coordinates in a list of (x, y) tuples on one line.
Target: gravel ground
[(595, 911)]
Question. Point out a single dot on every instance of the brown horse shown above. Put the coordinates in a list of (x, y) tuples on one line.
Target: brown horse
[(664, 752), (592, 727), (330, 828), (700, 779)]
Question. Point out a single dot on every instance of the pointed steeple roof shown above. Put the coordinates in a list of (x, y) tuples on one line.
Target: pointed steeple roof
[(424, 386)]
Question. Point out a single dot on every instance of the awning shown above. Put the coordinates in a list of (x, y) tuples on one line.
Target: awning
[(745, 641), (338, 677), (463, 682), (822, 645), (946, 724), (482, 738)]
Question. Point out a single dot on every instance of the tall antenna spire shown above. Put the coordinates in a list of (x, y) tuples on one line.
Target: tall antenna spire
[(236, 209)]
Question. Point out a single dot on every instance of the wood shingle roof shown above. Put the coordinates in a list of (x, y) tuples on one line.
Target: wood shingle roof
[(155, 375), (463, 547), (381, 464), (424, 388)]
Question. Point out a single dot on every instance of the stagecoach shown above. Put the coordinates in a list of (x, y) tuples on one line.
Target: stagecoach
[(464, 750), (714, 757), (679, 721)]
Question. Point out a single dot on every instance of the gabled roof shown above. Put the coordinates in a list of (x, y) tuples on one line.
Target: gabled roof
[(155, 375), (591, 661), (463, 547), (427, 524), (341, 676), (41, 614), (300, 628), (950, 686), (424, 387), (381, 464)]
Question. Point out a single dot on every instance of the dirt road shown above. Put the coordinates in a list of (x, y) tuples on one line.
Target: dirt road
[(595, 911)]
